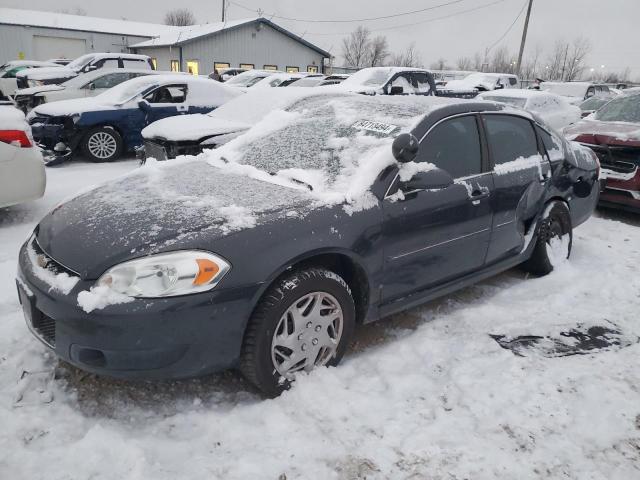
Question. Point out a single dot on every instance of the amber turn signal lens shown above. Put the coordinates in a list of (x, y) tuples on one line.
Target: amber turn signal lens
[(207, 270)]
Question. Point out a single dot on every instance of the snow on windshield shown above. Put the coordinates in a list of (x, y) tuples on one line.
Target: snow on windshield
[(370, 77), (336, 145), (80, 62), (622, 109), (247, 79)]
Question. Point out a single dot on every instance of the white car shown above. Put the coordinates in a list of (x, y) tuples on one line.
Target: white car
[(389, 81), (85, 85), (555, 110), (8, 72), (249, 78), (575, 92), (85, 63), (22, 174), (279, 80), (484, 82)]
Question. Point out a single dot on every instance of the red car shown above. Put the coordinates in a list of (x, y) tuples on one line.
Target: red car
[(613, 133)]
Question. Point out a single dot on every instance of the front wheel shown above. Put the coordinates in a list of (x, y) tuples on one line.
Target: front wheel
[(306, 320), (102, 144), (555, 238)]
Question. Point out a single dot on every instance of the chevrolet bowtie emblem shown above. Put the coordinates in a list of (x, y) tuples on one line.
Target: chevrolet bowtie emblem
[(42, 260)]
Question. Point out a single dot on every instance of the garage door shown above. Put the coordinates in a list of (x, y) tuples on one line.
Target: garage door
[(45, 48)]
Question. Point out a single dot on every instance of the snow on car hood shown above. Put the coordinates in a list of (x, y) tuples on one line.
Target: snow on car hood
[(41, 89), (70, 107), (608, 133), (159, 207), (46, 73), (191, 127)]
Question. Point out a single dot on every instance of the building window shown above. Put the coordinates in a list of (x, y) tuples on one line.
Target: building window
[(154, 62), (312, 68), (220, 65), (272, 68), (247, 66), (175, 65), (192, 67), (293, 69)]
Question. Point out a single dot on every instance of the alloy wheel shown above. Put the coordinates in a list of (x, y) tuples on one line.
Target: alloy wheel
[(102, 145)]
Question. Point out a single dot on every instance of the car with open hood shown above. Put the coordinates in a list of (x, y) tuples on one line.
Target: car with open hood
[(266, 253), (9, 71), (106, 126), (192, 134), (555, 110), (613, 133), (85, 63), (89, 84)]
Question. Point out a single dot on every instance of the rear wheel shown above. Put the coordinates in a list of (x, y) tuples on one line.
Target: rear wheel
[(555, 238), (306, 320), (102, 144)]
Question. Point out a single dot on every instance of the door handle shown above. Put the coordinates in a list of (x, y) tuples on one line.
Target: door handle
[(477, 195)]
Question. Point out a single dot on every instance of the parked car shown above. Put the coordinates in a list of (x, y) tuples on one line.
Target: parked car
[(108, 125), (334, 79), (312, 81), (390, 81), (171, 137), (8, 72), (85, 85), (279, 80), (22, 175), (61, 61), (575, 92), (228, 73), (484, 82), (590, 105), (249, 78), (267, 254), (553, 109), (613, 133), (85, 63)]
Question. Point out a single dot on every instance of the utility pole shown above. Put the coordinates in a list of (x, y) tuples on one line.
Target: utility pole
[(524, 37), (224, 10)]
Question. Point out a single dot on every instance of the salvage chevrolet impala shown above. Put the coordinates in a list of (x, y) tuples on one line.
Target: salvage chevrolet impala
[(266, 253)]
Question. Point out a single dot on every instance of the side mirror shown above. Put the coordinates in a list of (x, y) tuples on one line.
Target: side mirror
[(144, 106), (499, 86), (92, 86), (405, 147), (435, 179), (396, 90), (91, 68)]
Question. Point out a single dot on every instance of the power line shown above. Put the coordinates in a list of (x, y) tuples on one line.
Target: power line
[(355, 20), (508, 29)]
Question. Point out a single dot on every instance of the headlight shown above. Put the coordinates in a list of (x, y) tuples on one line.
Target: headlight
[(166, 274), (35, 83)]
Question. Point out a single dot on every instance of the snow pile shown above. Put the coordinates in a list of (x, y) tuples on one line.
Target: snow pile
[(60, 282), (97, 298)]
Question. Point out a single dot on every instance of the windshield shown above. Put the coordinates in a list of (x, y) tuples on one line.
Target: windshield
[(514, 101), (247, 79), (80, 62), (621, 109), (594, 103), (565, 89), (128, 90), (370, 77)]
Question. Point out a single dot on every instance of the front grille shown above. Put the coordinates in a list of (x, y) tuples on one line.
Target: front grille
[(45, 327), (616, 157), (49, 263)]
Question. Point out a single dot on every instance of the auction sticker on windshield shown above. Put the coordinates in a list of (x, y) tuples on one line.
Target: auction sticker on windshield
[(377, 127)]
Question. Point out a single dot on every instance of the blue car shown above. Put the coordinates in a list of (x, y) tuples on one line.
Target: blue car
[(106, 126)]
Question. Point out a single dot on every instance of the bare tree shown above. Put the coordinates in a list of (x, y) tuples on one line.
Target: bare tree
[(440, 64), (464, 63), (530, 69), (566, 61), (180, 17), (409, 58), (502, 61), (378, 51), (355, 48)]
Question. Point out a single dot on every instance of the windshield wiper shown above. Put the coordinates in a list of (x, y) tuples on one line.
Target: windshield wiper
[(294, 180)]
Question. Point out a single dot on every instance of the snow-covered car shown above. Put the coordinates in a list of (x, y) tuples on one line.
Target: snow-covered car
[(108, 125), (613, 133), (192, 134), (334, 79), (84, 85), (389, 81), (590, 105), (575, 92), (60, 61), (484, 82), (249, 78), (85, 63), (228, 73), (266, 253), (553, 109), (22, 175), (8, 72), (279, 80)]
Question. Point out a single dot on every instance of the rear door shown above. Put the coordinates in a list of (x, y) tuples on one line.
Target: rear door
[(434, 236), (520, 175)]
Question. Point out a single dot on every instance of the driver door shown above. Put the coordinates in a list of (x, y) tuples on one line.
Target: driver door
[(433, 236), (166, 101)]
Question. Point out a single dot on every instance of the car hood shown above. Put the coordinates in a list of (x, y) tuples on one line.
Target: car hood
[(596, 132), (45, 73), (70, 107), (42, 89), (191, 128), (160, 207)]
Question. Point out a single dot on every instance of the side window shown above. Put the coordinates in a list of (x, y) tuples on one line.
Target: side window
[(510, 138), (552, 144), (133, 63), (512, 81), (110, 80), (107, 63), (167, 94), (403, 81), (421, 82), (454, 146), (591, 91), (605, 89)]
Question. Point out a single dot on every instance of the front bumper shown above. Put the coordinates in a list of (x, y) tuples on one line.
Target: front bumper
[(164, 150), (168, 338)]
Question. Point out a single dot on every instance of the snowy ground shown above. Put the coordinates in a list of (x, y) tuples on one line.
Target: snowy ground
[(425, 395)]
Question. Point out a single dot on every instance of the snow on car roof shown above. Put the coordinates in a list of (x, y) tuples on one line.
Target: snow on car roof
[(567, 89), (28, 63), (514, 92), (373, 77), (65, 21)]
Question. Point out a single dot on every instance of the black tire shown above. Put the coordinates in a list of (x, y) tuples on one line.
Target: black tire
[(256, 362), (109, 138), (555, 224)]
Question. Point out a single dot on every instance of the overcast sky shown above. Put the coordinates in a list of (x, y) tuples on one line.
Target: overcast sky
[(610, 25)]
